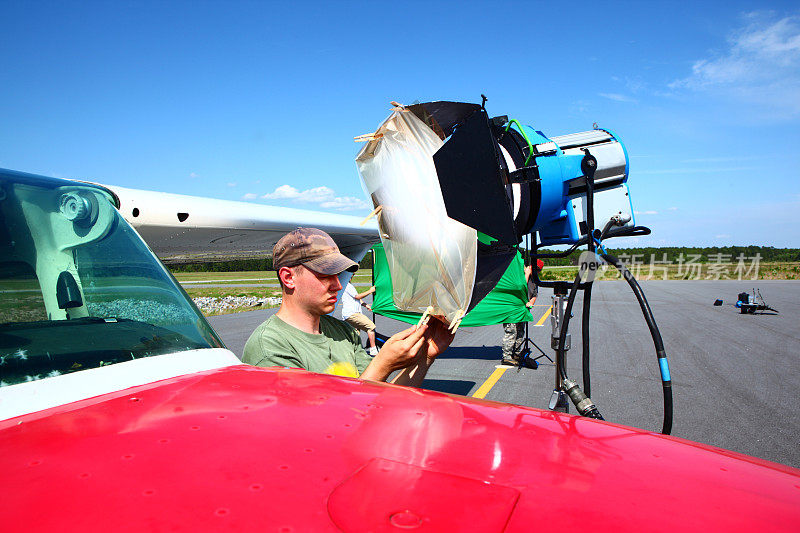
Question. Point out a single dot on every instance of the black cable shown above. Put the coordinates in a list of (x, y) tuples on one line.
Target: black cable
[(562, 336), (626, 231), (587, 298), (588, 166), (666, 381), (565, 253), (581, 399)]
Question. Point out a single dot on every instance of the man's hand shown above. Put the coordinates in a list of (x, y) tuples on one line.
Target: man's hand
[(399, 351), (438, 339)]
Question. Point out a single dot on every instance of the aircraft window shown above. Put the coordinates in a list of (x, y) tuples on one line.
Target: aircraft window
[(20, 294), (79, 289)]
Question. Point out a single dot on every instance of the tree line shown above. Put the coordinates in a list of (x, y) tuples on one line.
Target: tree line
[(675, 254), (236, 265), (672, 254)]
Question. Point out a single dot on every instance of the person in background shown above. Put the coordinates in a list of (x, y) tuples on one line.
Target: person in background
[(302, 334), (351, 313), (513, 333)]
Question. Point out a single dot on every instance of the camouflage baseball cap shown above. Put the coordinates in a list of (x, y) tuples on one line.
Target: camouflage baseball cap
[(312, 248)]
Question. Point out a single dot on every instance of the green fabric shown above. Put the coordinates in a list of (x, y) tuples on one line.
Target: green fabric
[(337, 350), (486, 239), (505, 303)]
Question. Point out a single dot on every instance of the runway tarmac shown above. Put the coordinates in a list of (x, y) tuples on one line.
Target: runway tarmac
[(736, 378)]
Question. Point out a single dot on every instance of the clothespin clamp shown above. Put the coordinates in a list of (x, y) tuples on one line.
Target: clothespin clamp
[(456, 321), (426, 316), (367, 137), (375, 212)]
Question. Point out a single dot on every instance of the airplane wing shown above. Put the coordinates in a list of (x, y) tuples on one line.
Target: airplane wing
[(181, 227)]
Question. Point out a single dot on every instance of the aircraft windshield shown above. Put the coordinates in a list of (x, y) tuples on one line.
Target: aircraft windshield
[(79, 289)]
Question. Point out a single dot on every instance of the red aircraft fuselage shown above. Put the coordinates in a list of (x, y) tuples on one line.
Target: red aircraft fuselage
[(251, 449)]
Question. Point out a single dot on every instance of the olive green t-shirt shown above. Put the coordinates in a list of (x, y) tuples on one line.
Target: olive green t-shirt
[(336, 350)]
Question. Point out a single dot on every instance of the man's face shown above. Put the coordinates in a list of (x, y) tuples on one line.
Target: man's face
[(315, 292)]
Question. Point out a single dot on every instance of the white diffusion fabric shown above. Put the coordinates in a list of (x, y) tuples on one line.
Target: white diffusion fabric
[(431, 257)]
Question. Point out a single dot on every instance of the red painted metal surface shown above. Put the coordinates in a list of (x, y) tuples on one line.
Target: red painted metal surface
[(251, 449)]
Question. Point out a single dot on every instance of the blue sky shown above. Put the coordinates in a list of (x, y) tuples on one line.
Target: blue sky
[(260, 101)]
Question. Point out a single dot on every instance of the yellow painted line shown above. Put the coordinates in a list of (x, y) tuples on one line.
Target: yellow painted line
[(544, 316), (484, 389)]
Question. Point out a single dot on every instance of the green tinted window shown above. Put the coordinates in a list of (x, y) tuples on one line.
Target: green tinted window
[(20, 294), (78, 287)]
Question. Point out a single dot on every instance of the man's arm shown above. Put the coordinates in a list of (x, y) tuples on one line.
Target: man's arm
[(528, 274), (364, 294)]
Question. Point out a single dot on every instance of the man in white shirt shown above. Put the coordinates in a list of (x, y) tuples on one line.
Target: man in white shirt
[(351, 313)]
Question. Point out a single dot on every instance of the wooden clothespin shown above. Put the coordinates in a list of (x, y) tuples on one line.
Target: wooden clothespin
[(425, 317), (456, 321), (375, 212), (367, 137)]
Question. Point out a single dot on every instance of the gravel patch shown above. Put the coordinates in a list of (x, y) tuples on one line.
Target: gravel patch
[(213, 305)]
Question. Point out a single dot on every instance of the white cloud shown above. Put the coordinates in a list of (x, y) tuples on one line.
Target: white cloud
[(231, 184), (346, 203), (672, 209), (249, 196), (315, 195), (193, 175), (760, 65), (324, 196), (645, 212), (618, 97), (281, 193)]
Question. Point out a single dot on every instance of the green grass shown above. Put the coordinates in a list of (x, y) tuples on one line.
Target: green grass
[(22, 307), (209, 276), (241, 278), (221, 292), (701, 271)]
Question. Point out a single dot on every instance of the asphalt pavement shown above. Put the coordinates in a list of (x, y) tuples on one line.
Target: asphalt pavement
[(735, 377)]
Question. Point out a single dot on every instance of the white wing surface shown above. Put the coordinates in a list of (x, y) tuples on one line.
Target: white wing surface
[(177, 226)]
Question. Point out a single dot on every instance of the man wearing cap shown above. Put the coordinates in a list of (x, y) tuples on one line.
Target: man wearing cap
[(303, 335), (513, 333)]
